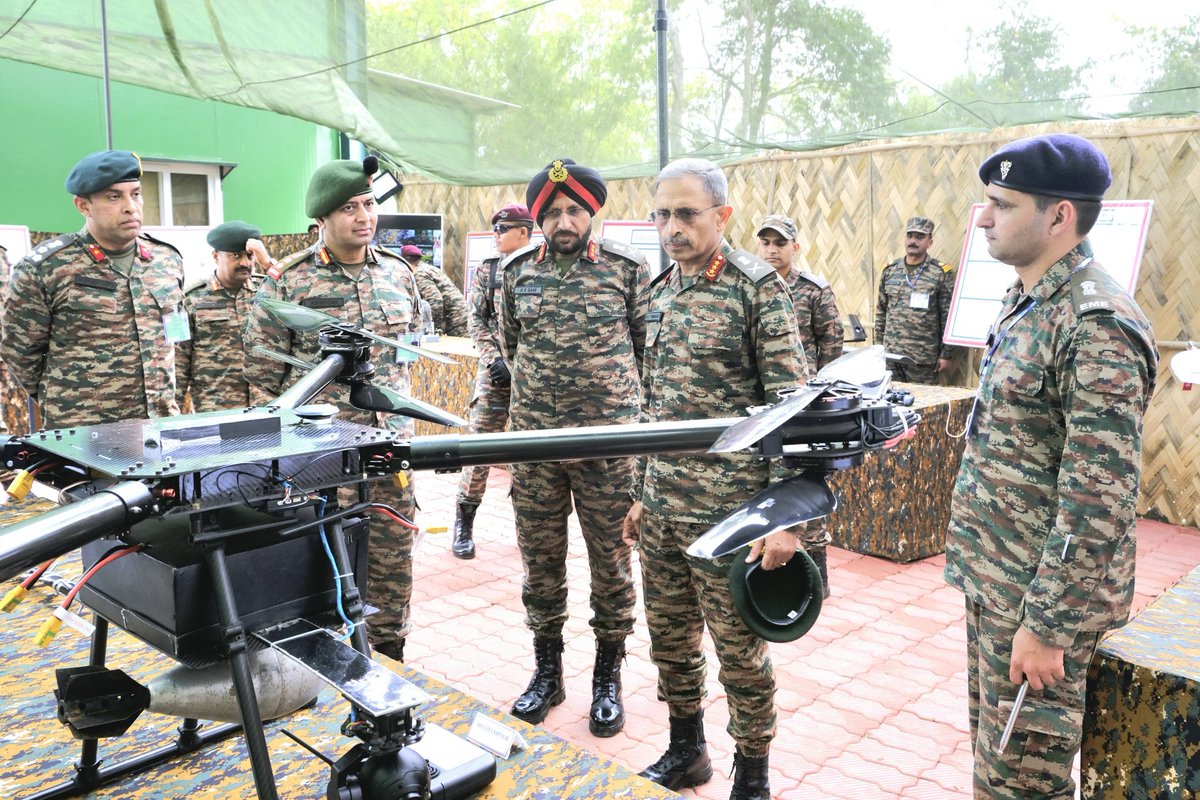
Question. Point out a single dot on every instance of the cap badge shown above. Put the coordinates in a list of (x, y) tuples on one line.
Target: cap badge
[(558, 173), (1005, 166)]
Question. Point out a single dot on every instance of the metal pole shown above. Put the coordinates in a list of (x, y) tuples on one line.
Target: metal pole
[(108, 140), (660, 34)]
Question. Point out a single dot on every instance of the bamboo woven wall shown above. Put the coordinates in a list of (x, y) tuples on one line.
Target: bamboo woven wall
[(851, 204)]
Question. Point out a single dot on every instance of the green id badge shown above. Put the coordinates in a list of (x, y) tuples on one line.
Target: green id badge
[(176, 327)]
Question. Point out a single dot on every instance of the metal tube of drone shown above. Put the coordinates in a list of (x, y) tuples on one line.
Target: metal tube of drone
[(313, 382)]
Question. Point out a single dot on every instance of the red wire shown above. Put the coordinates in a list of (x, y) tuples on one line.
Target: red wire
[(32, 579), (111, 557), (396, 517)]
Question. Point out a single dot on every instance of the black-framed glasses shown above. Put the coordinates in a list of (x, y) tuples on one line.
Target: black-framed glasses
[(501, 228), (686, 216), (574, 212)]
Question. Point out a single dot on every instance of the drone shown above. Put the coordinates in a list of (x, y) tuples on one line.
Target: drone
[(186, 514)]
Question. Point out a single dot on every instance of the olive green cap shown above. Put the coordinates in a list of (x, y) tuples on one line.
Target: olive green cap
[(779, 605), (336, 182), (231, 236)]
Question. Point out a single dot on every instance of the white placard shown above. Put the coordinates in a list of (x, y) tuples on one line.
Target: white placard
[(480, 245), (1118, 241), (15, 240), (495, 737)]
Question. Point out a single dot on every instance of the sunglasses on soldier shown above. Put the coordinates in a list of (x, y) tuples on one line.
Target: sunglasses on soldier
[(501, 228)]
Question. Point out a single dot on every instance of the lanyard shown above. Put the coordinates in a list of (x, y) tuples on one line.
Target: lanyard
[(912, 284)]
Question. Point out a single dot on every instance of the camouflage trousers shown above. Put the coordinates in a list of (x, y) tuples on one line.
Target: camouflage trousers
[(489, 414), (1036, 764), (389, 559), (814, 535), (915, 373), (542, 501), (682, 596)]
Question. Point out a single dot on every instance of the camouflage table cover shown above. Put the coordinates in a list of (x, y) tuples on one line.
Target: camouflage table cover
[(1141, 729)]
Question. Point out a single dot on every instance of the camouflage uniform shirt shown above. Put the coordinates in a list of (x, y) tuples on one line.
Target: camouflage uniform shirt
[(85, 338), (1052, 465), (445, 300), (579, 363), (908, 331), (211, 364), (714, 347), (818, 318), (382, 299), (484, 309)]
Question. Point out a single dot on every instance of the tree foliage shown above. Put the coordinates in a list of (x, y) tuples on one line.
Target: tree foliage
[(1173, 85)]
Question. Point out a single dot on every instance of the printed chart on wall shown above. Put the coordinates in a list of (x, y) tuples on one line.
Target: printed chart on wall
[(636, 233), (1118, 241), (480, 245)]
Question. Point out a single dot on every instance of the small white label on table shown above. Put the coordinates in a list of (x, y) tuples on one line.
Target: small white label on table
[(495, 737)]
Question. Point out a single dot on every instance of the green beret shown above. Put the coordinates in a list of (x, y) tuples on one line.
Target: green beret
[(779, 605), (336, 182), (101, 170), (231, 236)]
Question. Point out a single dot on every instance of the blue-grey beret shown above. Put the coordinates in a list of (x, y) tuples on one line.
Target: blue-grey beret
[(101, 170), (231, 236), (1057, 165), (336, 182)]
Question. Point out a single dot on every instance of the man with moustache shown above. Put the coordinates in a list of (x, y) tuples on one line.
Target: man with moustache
[(720, 337), (511, 228), (343, 275), (211, 363), (572, 333), (91, 319)]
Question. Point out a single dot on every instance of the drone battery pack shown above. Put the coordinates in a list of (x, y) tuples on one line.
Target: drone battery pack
[(164, 595)]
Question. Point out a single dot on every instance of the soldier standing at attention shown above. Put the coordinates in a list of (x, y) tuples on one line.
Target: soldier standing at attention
[(343, 275), (821, 333), (914, 303), (1042, 525), (720, 336), (511, 228), (445, 300), (91, 319), (573, 332), (211, 364)]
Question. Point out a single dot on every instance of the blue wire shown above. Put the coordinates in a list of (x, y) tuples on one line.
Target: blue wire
[(337, 581)]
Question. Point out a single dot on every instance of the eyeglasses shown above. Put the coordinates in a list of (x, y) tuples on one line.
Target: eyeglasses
[(502, 228), (554, 213), (686, 216)]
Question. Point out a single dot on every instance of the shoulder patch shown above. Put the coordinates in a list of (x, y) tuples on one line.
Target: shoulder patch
[(816, 280), (517, 255), (49, 247), (288, 262), (945, 267), (751, 266), (1092, 291), (149, 238), (619, 248)]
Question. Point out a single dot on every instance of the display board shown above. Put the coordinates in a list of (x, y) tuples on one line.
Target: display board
[(636, 233), (15, 241), (480, 245), (424, 230), (1118, 241)]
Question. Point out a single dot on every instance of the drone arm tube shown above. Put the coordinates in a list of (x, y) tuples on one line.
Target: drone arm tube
[(60, 531), (313, 382)]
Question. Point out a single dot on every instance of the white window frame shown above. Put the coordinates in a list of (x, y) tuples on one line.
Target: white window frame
[(216, 204)]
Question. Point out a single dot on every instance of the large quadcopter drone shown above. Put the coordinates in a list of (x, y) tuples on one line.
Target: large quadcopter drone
[(200, 507)]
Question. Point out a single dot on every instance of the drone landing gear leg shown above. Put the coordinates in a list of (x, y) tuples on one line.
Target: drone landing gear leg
[(348, 588), (239, 665)]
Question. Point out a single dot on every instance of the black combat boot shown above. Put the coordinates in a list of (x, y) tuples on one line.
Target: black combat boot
[(750, 779), (393, 649), (817, 554), (545, 689), (464, 529), (607, 716), (685, 763)]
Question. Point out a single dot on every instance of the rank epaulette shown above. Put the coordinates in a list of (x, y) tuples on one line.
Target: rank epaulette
[(193, 285), (279, 267), (517, 254), (144, 235), (944, 267), (619, 248), (51, 246), (1091, 291), (816, 280), (751, 266)]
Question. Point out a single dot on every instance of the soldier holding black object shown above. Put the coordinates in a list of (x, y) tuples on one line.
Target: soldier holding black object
[(511, 228), (1042, 527), (344, 276), (720, 336), (573, 331), (91, 319)]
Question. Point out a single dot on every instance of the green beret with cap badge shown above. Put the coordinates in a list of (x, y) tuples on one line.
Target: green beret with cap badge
[(230, 237), (336, 182), (101, 170)]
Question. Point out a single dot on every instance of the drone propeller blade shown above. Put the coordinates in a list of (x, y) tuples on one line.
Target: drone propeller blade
[(297, 317), (408, 348), (862, 367), (778, 507), (284, 357), (741, 435), (377, 398)]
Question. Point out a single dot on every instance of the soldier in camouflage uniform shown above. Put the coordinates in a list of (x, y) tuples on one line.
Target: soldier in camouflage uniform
[(446, 302), (91, 319), (821, 333), (343, 275), (721, 335), (211, 363), (1042, 529), (572, 329), (511, 227), (914, 303)]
